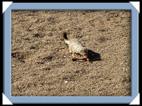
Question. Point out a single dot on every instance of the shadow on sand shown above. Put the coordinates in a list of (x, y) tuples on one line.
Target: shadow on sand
[(93, 56)]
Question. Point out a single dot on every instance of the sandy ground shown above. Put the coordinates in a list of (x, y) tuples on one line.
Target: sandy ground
[(43, 66)]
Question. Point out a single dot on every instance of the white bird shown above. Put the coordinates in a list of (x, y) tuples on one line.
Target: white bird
[(76, 48)]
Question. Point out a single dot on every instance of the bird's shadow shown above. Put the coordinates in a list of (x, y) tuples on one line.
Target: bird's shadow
[(93, 56)]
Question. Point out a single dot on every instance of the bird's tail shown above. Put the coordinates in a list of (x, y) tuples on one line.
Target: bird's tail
[(65, 38), (65, 35)]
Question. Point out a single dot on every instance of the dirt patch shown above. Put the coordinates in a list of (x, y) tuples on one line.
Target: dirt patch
[(42, 64)]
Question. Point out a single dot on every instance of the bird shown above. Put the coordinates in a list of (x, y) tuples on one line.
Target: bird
[(78, 51)]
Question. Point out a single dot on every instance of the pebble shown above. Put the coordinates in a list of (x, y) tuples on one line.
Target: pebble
[(66, 82)]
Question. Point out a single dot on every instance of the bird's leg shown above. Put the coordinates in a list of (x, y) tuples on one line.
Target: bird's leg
[(74, 57), (83, 57), (77, 57)]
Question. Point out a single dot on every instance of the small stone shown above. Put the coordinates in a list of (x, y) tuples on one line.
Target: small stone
[(36, 35), (32, 47), (66, 82)]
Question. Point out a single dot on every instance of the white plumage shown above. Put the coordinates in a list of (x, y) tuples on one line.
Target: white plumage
[(75, 47)]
